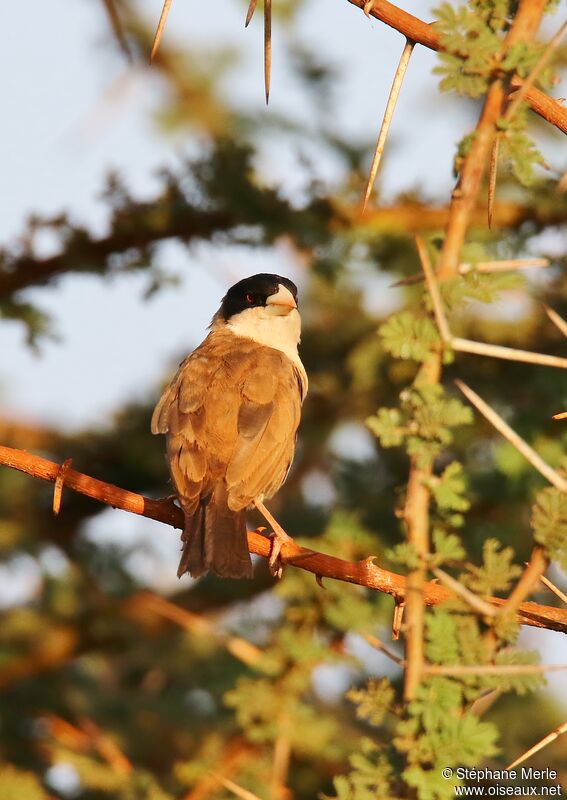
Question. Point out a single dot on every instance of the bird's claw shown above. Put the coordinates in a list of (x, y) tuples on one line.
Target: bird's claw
[(275, 563)]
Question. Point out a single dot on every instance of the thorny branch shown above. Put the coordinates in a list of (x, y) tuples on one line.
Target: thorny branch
[(463, 201), (424, 33), (363, 573)]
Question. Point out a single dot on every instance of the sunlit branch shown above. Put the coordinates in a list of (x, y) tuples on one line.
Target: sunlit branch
[(363, 573)]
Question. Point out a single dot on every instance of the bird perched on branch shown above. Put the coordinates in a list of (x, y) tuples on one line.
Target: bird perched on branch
[(231, 415)]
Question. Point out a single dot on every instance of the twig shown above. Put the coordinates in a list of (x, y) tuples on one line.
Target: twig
[(561, 415), (159, 29), (228, 762), (534, 572), (557, 320), (388, 114), (240, 648), (520, 95), (237, 790), (58, 486), (492, 178), (362, 573), (397, 619), (378, 645), (106, 747), (507, 353), (553, 588), (267, 47), (551, 737), (117, 28), (494, 669), (250, 13), (282, 755), (506, 265), (483, 703), (521, 446), (471, 598), (426, 34), (438, 309)]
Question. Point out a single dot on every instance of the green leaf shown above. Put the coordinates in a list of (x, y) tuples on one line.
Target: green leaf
[(409, 335), (387, 426), (448, 548), (449, 487), (373, 701), (496, 573)]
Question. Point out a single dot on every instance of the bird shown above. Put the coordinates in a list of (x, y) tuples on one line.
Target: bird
[(230, 416)]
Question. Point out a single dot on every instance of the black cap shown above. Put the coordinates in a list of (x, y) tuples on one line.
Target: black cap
[(253, 291)]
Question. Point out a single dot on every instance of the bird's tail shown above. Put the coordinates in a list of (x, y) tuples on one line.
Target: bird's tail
[(215, 539)]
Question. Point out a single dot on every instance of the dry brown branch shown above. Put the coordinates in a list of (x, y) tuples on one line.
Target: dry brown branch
[(378, 645), (388, 114), (557, 320), (425, 33), (159, 29), (28, 270), (506, 353), (362, 573), (521, 446), (551, 737), (469, 597), (412, 217), (494, 669)]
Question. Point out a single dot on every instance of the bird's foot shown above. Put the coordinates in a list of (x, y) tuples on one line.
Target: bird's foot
[(278, 538)]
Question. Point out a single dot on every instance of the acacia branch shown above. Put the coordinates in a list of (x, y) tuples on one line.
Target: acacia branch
[(362, 573), (425, 33)]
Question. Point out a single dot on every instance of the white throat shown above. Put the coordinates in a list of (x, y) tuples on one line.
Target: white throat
[(281, 332)]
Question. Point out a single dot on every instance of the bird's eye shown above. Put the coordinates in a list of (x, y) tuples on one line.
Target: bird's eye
[(250, 298)]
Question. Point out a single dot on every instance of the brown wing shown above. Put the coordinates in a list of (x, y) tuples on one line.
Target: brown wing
[(231, 413), (267, 426)]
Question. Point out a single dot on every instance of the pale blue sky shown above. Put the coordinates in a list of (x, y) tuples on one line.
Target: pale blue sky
[(63, 130)]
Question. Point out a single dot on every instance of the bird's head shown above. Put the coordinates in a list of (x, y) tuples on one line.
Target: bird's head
[(264, 308)]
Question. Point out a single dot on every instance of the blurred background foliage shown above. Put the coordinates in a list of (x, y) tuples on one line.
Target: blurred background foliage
[(112, 686)]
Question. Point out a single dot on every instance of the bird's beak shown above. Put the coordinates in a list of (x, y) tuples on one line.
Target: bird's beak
[(282, 302)]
